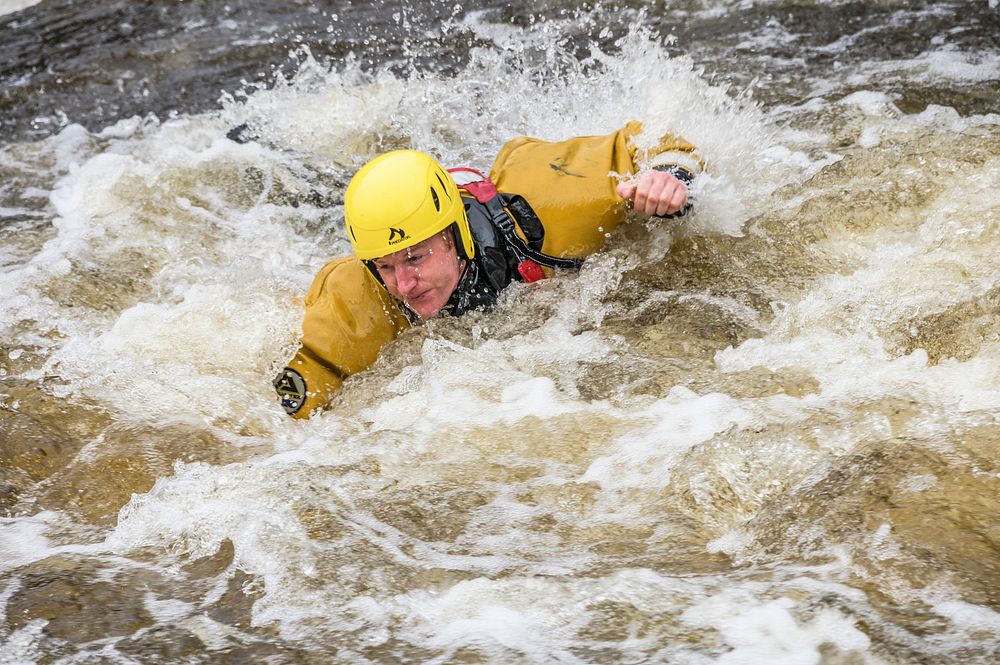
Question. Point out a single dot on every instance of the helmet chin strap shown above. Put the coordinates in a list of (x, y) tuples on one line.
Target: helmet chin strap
[(455, 237)]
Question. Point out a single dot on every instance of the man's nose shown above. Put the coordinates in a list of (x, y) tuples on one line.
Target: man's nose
[(406, 279)]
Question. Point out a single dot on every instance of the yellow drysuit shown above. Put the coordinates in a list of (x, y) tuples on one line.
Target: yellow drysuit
[(349, 316)]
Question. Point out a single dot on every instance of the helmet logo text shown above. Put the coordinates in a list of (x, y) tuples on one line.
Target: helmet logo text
[(396, 235)]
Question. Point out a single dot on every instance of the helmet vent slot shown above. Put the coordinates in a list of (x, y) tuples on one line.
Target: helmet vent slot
[(437, 201), (444, 187)]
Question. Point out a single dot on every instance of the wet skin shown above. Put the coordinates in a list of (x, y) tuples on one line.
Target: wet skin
[(423, 276), (654, 193)]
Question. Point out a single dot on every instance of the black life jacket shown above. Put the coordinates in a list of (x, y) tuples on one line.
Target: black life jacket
[(501, 255)]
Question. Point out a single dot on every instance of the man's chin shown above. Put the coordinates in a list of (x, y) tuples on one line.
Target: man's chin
[(425, 311)]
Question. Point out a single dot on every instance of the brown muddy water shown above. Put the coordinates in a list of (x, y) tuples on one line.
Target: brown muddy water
[(767, 433)]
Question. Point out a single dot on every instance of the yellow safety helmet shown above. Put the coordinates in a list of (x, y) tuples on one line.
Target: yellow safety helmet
[(399, 199)]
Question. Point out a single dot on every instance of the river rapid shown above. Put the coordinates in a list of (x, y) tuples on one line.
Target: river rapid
[(765, 433)]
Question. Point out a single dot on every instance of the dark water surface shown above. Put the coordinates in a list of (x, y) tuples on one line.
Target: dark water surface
[(765, 434), (96, 62)]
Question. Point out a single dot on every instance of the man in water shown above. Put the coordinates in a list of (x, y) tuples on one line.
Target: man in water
[(428, 241)]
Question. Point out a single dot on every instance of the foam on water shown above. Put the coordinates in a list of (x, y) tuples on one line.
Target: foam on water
[(211, 309), (27, 539), (11, 6), (548, 619), (22, 541), (21, 647), (468, 493), (838, 329), (419, 430), (770, 633)]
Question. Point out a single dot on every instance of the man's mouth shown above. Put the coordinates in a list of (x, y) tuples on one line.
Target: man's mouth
[(416, 298)]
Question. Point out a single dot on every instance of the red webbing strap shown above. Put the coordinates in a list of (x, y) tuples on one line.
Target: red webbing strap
[(483, 189)]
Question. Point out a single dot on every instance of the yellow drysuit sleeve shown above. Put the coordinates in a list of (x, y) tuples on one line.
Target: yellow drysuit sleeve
[(570, 186), (349, 318)]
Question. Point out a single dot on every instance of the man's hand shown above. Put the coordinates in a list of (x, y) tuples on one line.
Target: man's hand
[(655, 193)]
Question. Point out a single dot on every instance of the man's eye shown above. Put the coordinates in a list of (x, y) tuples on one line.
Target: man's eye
[(415, 258)]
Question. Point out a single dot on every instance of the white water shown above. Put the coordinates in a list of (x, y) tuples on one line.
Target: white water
[(11, 6), (192, 267)]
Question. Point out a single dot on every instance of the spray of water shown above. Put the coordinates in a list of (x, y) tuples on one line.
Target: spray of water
[(718, 441)]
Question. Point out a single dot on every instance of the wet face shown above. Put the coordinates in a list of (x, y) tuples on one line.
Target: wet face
[(423, 276)]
